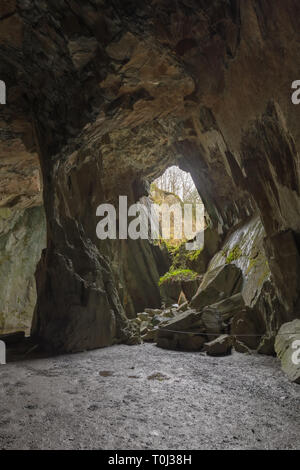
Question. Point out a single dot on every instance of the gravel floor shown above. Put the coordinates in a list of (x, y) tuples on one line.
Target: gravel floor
[(143, 397)]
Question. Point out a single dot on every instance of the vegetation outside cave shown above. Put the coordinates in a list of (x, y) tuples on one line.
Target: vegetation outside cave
[(172, 187)]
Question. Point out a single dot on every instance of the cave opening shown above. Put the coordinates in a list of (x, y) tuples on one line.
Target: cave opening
[(179, 218), (176, 188)]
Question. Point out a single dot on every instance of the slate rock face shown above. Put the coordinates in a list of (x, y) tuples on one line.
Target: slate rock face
[(287, 347), (265, 312), (22, 239), (217, 285)]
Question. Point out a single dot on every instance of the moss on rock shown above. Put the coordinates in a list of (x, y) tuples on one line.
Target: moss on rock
[(233, 254), (178, 275)]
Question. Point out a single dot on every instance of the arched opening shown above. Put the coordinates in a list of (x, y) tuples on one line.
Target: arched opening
[(176, 187), (181, 218)]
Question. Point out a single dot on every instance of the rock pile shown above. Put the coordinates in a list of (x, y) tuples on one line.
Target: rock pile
[(208, 328), (148, 322), (212, 321), (205, 322)]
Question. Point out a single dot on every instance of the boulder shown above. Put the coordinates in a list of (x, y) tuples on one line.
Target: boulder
[(190, 342), (287, 347), (181, 341), (220, 346), (218, 284), (153, 311), (150, 335), (248, 327), (143, 316), (240, 347), (170, 291), (215, 316), (166, 339), (185, 321), (266, 345), (284, 259), (189, 288), (184, 332), (169, 312)]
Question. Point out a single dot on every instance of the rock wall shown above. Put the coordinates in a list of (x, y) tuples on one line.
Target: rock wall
[(244, 247), (22, 238), (137, 266), (108, 94)]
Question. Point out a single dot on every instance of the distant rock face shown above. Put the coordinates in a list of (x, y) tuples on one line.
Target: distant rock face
[(137, 266), (22, 239), (109, 95), (287, 347)]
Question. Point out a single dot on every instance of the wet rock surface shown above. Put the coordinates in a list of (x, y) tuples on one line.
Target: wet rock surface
[(287, 347), (132, 398), (22, 239)]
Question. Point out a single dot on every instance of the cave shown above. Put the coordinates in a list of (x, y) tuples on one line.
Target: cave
[(101, 98)]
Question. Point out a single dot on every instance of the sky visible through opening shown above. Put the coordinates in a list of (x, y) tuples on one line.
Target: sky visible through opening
[(172, 187), (179, 182)]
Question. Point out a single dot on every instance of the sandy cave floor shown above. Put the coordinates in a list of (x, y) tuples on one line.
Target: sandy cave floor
[(143, 397)]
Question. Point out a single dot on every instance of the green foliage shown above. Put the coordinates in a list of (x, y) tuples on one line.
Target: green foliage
[(234, 254), (181, 258), (193, 255), (171, 247), (178, 275)]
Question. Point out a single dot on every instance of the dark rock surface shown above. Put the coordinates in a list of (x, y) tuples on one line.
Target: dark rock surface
[(22, 239)]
